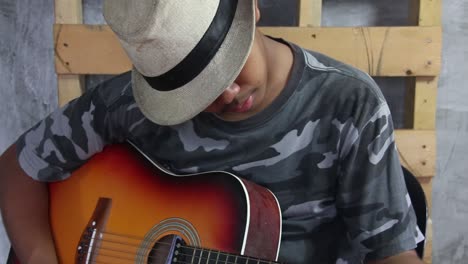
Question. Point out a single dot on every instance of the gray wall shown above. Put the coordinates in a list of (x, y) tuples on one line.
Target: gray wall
[(28, 91), (450, 187)]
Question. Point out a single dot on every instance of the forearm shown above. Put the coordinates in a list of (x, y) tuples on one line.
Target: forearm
[(24, 206)]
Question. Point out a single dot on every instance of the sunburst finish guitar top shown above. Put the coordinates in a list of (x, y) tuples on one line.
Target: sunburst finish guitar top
[(121, 208)]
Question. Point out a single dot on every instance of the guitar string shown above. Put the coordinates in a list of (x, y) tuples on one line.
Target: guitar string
[(185, 262), (132, 254), (138, 245), (201, 257), (120, 253), (247, 259), (121, 235), (139, 240), (140, 254)]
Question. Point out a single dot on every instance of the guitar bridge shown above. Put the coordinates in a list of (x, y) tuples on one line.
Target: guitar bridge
[(92, 235)]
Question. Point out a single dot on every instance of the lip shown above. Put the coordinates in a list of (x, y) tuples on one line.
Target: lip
[(243, 107)]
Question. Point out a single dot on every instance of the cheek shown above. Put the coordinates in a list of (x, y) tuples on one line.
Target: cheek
[(252, 74)]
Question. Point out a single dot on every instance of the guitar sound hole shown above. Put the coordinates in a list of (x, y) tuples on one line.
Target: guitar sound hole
[(166, 250)]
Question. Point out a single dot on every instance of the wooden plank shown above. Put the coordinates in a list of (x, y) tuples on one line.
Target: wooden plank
[(422, 92), (430, 14), (417, 150), (310, 13), (69, 87), (428, 247), (83, 49), (425, 94), (425, 103), (409, 103), (375, 50), (72, 86), (421, 103), (68, 12), (426, 184), (425, 12)]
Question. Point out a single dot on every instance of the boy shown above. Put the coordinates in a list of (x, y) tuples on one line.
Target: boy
[(316, 132)]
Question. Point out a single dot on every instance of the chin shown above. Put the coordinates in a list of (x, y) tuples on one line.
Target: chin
[(233, 117)]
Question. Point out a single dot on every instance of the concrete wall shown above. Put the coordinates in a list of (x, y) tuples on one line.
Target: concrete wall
[(450, 187), (28, 91)]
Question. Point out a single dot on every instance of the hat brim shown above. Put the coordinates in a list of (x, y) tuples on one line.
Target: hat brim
[(184, 103)]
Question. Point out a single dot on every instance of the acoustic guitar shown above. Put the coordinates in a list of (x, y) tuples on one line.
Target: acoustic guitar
[(120, 207)]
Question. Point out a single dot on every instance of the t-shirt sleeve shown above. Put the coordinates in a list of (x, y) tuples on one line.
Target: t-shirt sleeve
[(63, 141), (372, 198)]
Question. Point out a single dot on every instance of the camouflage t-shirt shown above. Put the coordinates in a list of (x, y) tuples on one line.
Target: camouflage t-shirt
[(325, 147)]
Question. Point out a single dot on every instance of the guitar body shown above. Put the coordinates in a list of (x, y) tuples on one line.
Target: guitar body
[(120, 208)]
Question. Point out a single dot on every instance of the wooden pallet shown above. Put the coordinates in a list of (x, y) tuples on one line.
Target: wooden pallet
[(82, 49)]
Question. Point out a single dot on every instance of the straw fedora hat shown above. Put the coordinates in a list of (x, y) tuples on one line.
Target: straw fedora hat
[(185, 52)]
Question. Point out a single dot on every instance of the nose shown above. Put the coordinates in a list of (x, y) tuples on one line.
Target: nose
[(229, 94), (226, 98)]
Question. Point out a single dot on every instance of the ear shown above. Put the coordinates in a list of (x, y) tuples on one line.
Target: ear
[(257, 11)]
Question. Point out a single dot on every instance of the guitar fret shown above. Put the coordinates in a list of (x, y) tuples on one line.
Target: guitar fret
[(213, 257), (204, 256), (208, 258), (241, 260), (201, 256), (197, 256), (228, 259), (222, 258), (193, 256)]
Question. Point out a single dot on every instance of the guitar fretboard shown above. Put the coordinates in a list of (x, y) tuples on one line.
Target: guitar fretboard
[(193, 255)]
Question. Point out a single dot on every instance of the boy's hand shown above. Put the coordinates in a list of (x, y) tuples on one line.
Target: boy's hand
[(43, 256)]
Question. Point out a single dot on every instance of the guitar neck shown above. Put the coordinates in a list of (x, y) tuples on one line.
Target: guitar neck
[(204, 256)]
